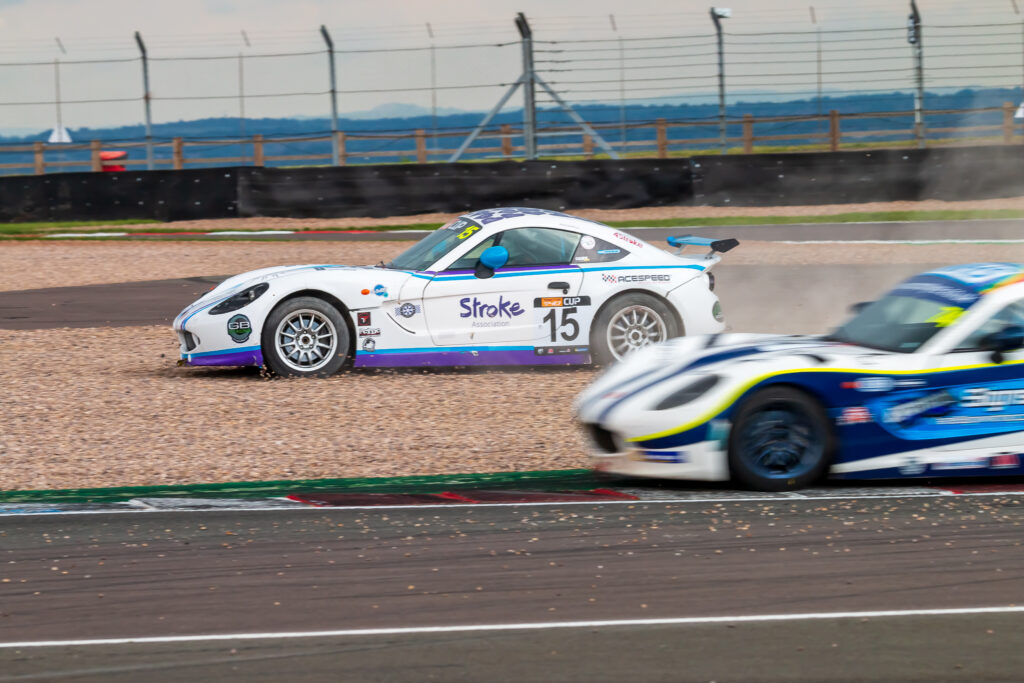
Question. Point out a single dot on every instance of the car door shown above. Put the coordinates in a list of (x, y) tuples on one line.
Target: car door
[(463, 309), (986, 411)]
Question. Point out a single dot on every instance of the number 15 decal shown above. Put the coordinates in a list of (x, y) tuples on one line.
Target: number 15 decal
[(559, 328)]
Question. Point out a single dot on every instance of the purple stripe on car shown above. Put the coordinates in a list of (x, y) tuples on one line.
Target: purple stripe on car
[(450, 358), (252, 357)]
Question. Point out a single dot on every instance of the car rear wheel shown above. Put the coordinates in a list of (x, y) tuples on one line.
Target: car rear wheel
[(629, 323), (780, 441), (305, 337)]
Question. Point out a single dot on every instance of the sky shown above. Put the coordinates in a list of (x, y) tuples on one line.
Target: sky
[(641, 50)]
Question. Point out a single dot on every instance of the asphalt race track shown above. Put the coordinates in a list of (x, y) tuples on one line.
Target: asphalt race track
[(812, 590)]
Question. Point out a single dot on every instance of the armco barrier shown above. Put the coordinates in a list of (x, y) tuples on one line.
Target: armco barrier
[(401, 189)]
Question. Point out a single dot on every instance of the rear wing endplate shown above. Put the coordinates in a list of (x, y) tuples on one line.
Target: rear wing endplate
[(720, 246)]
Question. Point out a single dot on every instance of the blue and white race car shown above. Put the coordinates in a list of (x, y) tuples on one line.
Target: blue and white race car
[(927, 381), (494, 287)]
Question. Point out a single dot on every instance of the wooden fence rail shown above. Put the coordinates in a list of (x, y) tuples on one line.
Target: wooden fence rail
[(659, 145)]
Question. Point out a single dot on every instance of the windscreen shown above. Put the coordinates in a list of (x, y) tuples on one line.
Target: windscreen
[(426, 252), (909, 315)]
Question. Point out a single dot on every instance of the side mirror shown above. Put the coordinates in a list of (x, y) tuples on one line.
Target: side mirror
[(1010, 338), (859, 306), (492, 259)]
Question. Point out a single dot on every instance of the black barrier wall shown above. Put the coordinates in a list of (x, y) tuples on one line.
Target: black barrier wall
[(853, 177), (402, 189), (159, 195)]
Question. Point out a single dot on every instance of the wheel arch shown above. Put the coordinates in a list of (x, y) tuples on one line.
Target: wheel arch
[(663, 299)]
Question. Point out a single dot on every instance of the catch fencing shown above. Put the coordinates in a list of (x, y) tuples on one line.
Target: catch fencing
[(626, 95)]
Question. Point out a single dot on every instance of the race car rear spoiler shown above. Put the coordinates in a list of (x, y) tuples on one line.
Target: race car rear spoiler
[(720, 246)]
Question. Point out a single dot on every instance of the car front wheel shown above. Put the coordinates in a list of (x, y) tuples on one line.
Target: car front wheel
[(629, 323), (780, 440), (305, 337)]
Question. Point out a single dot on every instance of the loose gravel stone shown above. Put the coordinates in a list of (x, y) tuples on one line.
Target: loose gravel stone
[(109, 407)]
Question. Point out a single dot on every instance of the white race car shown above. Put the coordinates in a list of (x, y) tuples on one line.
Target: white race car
[(495, 287), (928, 381)]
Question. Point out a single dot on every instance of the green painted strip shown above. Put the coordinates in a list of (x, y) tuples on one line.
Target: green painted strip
[(541, 480)]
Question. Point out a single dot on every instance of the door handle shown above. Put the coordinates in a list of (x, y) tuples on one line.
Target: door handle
[(564, 286)]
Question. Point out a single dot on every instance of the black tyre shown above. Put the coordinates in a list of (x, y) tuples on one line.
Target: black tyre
[(305, 337), (780, 440), (628, 323)]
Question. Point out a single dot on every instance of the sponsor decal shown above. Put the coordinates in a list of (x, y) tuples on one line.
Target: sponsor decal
[(904, 412), (973, 464), (369, 345), (369, 332), (587, 242), (560, 351), (870, 384), (1004, 460), (646, 277), (468, 232), (913, 466), (854, 415), (993, 400), (644, 455), (631, 240), (487, 216), (718, 431), (364, 318), (407, 310), (980, 274), (380, 290), (582, 259), (239, 328), (937, 289), (473, 307), (560, 301), (609, 251)]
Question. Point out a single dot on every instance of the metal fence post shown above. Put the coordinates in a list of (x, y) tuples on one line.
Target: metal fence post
[(717, 14), (146, 99), (914, 38), (334, 95), (529, 88)]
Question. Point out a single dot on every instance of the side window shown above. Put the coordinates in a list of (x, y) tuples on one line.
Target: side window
[(1011, 315), (539, 246), (593, 250), (468, 261)]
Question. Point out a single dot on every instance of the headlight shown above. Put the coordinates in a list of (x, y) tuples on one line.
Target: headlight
[(243, 298), (688, 393)]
